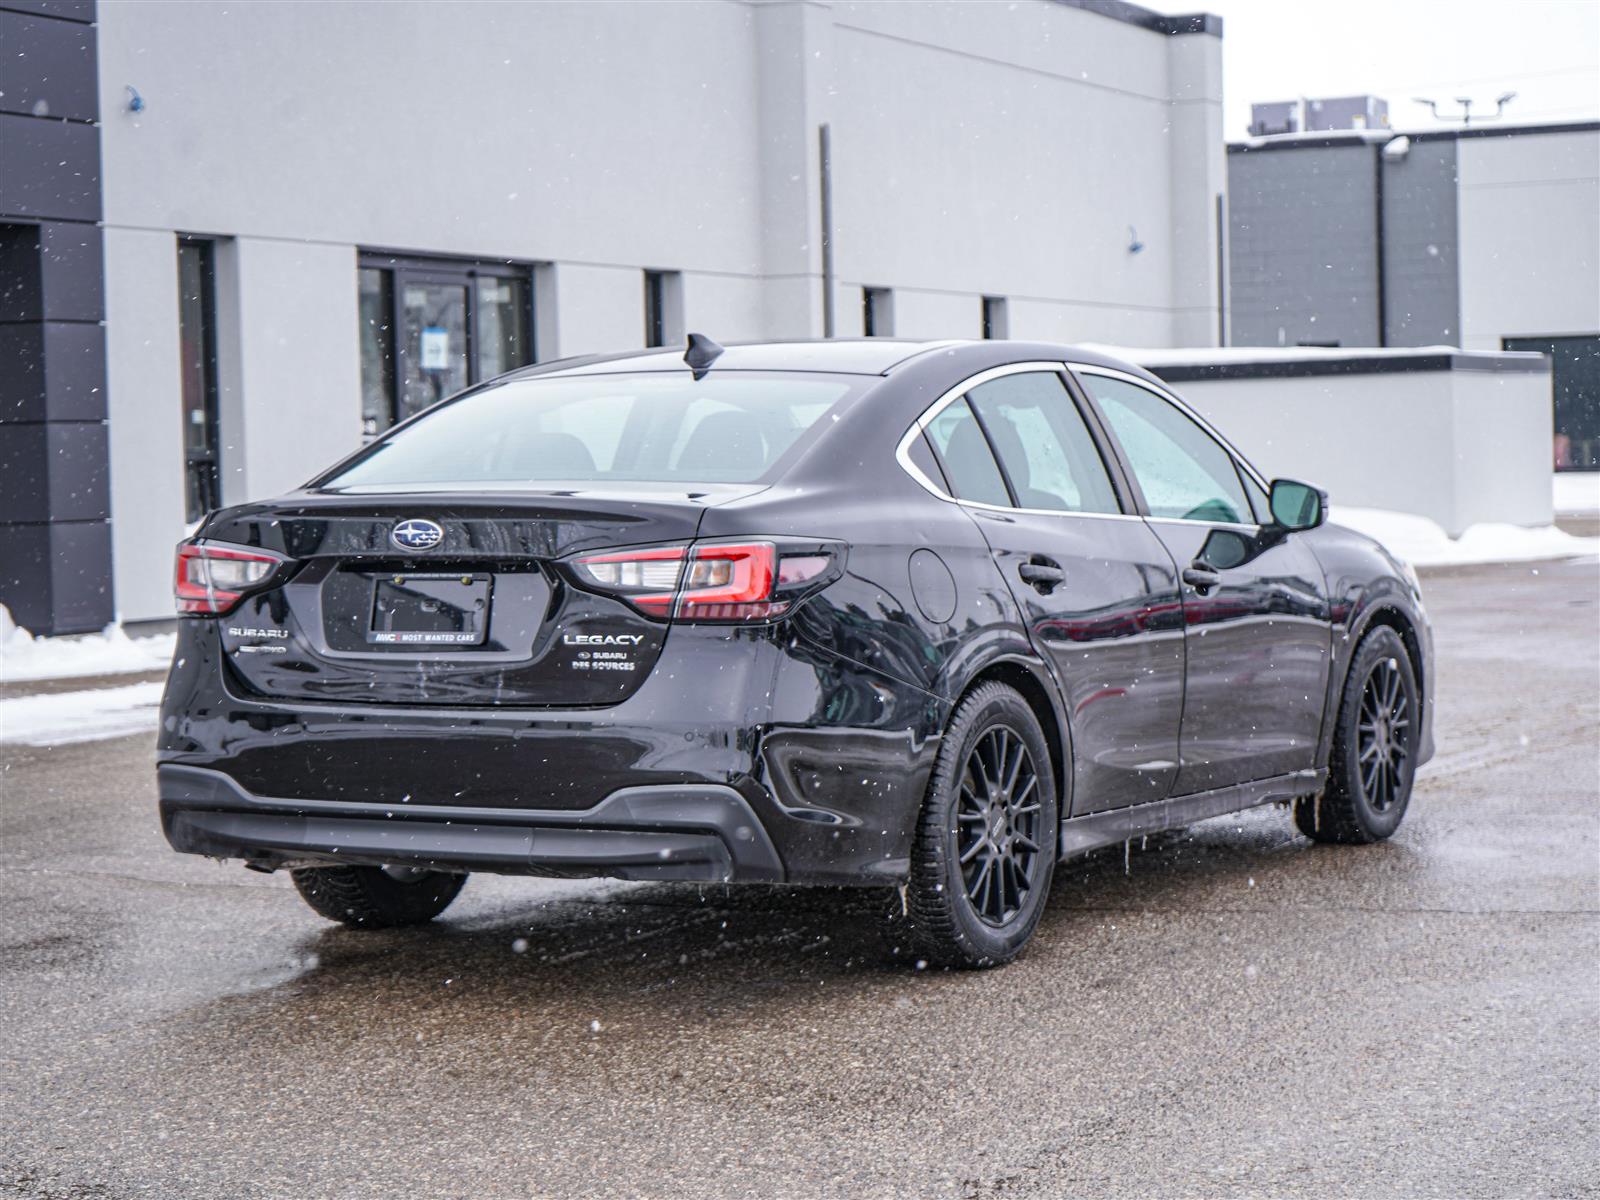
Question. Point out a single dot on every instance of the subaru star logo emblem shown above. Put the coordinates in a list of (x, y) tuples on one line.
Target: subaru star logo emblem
[(416, 534)]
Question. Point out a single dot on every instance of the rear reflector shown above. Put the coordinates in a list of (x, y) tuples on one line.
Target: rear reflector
[(212, 579)]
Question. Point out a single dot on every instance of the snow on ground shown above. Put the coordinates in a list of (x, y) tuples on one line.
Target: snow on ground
[(1424, 543), (1577, 493), (61, 717), (110, 652)]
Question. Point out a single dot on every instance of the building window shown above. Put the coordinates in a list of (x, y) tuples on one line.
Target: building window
[(197, 345), (663, 308), (1575, 384), (430, 327), (877, 312), (996, 323)]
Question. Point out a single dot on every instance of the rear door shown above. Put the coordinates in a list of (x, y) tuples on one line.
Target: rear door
[(1259, 636), (1095, 587)]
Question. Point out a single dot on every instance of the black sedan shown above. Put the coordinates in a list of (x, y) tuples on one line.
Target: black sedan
[(928, 614)]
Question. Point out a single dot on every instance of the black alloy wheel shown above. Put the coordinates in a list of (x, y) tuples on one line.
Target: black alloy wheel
[(997, 825), (1383, 735), (1373, 758), (985, 848)]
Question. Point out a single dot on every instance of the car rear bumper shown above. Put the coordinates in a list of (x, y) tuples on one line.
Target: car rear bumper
[(691, 832)]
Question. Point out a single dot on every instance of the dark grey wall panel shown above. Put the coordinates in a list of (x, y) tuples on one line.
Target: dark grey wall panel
[(21, 288), (67, 10), (42, 68), (55, 471), (55, 532), (54, 271), (57, 578), (53, 372), (1421, 270), (52, 169), (1303, 246)]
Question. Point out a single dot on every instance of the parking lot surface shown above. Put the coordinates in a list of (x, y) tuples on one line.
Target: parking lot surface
[(1229, 1011)]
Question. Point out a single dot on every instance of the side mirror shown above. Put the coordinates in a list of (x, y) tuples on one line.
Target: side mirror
[(1297, 505), (1225, 549)]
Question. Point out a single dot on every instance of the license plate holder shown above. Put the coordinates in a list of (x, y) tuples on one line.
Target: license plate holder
[(429, 610)]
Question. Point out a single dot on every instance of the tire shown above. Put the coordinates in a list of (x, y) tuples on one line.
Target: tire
[(376, 897), (1373, 762), (956, 916)]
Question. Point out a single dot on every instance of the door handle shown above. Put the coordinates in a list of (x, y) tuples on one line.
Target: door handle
[(1201, 577), (1041, 572)]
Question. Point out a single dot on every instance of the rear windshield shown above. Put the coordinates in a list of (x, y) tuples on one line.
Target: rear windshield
[(729, 429)]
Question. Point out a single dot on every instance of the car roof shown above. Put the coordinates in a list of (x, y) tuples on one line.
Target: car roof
[(835, 356)]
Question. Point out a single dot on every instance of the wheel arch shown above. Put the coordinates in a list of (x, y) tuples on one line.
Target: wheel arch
[(1388, 614), (1031, 680), (1397, 620)]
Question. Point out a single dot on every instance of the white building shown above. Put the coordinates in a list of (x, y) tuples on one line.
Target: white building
[(1485, 237), (288, 222)]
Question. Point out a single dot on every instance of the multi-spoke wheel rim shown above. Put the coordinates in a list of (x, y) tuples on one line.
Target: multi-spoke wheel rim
[(997, 825), (1383, 735)]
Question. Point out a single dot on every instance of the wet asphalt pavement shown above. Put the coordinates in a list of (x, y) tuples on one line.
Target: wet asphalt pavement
[(1240, 1013)]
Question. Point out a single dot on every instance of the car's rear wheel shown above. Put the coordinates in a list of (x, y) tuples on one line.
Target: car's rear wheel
[(1373, 761), (985, 848), (377, 897)]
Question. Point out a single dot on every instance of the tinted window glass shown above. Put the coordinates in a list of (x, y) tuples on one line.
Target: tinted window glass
[(1043, 443), (968, 464), (1182, 470), (655, 427)]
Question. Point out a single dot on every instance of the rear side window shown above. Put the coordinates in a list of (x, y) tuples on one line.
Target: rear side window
[(1182, 470), (1045, 447), (964, 451), (736, 428)]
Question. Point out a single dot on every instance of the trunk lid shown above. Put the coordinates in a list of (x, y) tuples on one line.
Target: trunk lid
[(481, 617)]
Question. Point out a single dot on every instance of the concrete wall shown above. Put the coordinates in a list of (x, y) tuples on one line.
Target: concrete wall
[(1460, 447), (1530, 236), (978, 149)]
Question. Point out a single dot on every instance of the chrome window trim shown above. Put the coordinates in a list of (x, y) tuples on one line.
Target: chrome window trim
[(1232, 451), (902, 451)]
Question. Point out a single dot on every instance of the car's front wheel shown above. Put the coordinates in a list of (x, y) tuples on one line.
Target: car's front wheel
[(985, 848), (377, 897), (1373, 760)]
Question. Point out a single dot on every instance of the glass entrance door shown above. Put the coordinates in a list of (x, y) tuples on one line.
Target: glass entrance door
[(433, 344), (431, 327)]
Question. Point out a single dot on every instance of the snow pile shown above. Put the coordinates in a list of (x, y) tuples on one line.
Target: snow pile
[(1424, 543), (62, 717), (110, 652), (1576, 493)]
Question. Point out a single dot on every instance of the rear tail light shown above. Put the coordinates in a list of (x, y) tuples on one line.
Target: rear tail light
[(212, 578), (726, 582), (647, 579)]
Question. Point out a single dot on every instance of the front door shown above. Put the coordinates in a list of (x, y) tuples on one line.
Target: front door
[(1095, 587), (1258, 637)]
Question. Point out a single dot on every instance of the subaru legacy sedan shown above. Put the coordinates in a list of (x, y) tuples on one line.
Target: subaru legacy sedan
[(932, 616)]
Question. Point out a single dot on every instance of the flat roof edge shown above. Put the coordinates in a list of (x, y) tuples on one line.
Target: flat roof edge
[(1325, 138), (1515, 362), (1145, 18)]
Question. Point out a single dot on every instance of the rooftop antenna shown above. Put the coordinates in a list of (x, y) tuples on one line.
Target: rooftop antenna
[(701, 353), (1465, 115)]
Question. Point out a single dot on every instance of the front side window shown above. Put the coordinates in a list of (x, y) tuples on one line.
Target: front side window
[(1183, 471), (735, 428), (1043, 444)]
